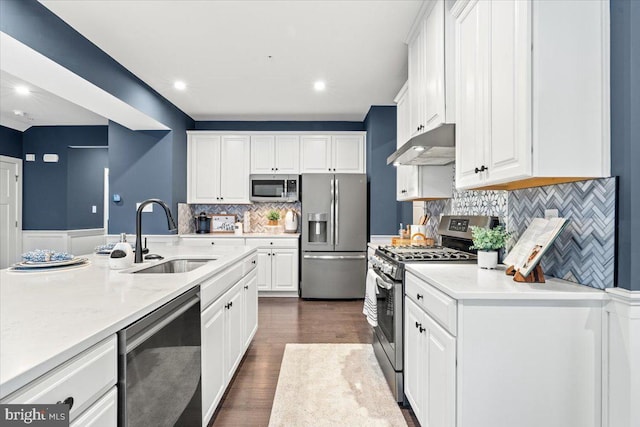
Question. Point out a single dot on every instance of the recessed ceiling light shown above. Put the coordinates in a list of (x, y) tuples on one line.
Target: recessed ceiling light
[(418, 148), (396, 164), (18, 113), (319, 85), (22, 90), (180, 85)]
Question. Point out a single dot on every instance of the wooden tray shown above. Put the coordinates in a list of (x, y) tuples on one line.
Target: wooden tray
[(397, 241)]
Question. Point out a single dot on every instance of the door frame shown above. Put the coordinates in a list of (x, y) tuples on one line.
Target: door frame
[(18, 163)]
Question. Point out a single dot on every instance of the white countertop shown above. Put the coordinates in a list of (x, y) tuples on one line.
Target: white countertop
[(48, 317), (243, 236), (467, 281)]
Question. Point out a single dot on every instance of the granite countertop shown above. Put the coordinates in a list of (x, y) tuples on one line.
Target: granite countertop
[(467, 281), (48, 317), (243, 236)]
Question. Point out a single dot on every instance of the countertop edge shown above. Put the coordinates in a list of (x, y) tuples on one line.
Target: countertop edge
[(240, 236)]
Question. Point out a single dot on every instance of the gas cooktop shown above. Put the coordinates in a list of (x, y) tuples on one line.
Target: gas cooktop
[(425, 253)]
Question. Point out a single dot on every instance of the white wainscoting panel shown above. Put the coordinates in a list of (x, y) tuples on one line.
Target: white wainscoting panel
[(76, 242)]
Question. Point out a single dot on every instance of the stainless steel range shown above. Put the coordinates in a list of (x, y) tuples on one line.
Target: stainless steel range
[(388, 264)]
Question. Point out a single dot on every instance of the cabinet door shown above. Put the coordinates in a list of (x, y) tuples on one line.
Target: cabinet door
[(403, 119), (440, 382), (315, 155), (472, 37), (434, 66), (287, 149), (348, 154), (404, 174), (103, 413), (250, 307), (508, 155), (285, 270), (234, 169), (234, 340), (214, 378), (414, 358), (416, 83), (203, 175), (264, 270), (263, 148)]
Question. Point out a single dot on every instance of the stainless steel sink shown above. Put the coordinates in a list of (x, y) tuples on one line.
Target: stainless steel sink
[(175, 266)]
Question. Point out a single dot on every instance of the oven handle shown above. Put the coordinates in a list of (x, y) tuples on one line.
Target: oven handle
[(382, 281)]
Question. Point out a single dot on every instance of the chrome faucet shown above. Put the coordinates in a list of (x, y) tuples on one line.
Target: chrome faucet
[(171, 223)]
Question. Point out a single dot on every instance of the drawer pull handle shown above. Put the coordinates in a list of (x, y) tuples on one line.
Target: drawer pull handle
[(419, 296), (67, 401)]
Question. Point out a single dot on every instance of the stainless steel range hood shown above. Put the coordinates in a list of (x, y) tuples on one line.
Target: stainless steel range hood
[(435, 148)]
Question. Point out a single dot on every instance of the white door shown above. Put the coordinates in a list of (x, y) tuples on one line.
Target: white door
[(287, 155), (214, 378), (434, 66), (416, 83), (10, 210), (204, 175), (250, 307), (472, 52), (414, 358), (348, 154), (315, 154), (234, 169), (285, 270), (263, 154), (508, 155), (440, 393), (264, 270), (235, 329)]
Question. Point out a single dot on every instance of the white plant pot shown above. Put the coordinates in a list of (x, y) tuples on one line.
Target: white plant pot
[(488, 259)]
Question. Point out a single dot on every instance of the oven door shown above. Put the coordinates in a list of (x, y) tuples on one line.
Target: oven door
[(390, 312)]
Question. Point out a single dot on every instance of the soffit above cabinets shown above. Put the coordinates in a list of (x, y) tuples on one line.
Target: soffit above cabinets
[(256, 60)]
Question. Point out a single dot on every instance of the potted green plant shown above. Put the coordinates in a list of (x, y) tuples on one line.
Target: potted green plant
[(273, 216), (488, 241)]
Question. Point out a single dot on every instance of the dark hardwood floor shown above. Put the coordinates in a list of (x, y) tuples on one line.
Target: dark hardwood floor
[(249, 397)]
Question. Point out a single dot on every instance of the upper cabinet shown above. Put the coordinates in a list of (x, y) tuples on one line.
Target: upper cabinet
[(217, 168), (431, 69), (403, 120), (275, 154), (532, 92), (342, 153)]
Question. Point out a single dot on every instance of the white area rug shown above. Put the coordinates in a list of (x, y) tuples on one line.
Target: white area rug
[(333, 385)]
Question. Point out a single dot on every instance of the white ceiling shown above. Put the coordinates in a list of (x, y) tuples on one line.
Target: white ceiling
[(40, 108), (221, 48)]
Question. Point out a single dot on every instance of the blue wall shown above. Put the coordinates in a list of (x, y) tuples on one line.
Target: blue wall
[(385, 213), (625, 136), (34, 25), (275, 126), (10, 142), (45, 184), (85, 187)]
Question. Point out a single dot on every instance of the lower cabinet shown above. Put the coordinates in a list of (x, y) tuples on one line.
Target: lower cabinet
[(430, 368), (277, 265), (228, 326), (103, 413)]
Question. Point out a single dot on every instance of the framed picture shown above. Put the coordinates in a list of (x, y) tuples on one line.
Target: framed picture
[(222, 223)]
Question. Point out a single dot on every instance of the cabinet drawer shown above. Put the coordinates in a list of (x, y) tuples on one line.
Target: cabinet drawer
[(272, 243), (249, 263), (103, 413), (84, 378), (437, 304), (218, 284), (209, 241)]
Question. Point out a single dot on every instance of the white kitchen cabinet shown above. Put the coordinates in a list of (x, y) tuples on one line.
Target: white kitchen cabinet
[(532, 97), (277, 265), (250, 307), (424, 182), (403, 126), (431, 68), (263, 280), (218, 168), (234, 340), (275, 154), (214, 378), (103, 413), (342, 153)]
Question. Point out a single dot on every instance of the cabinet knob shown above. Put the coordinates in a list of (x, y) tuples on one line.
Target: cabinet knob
[(419, 296), (271, 243), (276, 168), (246, 286), (67, 401), (329, 169), (418, 325), (421, 329), (253, 262), (481, 169)]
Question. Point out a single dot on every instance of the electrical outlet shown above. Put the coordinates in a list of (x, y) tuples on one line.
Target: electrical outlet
[(148, 208), (551, 213), (94, 209)]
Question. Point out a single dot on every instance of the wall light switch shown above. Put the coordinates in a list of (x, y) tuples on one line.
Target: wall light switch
[(94, 209), (148, 208), (551, 213), (30, 157)]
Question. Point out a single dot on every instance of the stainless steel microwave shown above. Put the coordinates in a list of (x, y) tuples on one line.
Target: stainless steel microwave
[(275, 188)]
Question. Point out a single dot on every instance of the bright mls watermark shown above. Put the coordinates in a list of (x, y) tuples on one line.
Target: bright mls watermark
[(34, 415)]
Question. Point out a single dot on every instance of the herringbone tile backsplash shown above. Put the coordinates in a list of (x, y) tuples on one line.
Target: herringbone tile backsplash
[(585, 250)]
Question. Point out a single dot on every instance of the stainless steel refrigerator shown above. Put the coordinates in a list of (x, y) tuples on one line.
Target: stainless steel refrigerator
[(334, 235)]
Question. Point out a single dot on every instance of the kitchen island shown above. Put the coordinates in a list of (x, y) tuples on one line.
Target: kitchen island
[(46, 318)]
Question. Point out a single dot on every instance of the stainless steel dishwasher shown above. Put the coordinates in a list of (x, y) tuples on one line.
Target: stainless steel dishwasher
[(159, 366)]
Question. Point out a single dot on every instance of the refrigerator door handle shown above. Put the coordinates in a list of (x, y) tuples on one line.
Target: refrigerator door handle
[(334, 256), (333, 212), (337, 226)]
